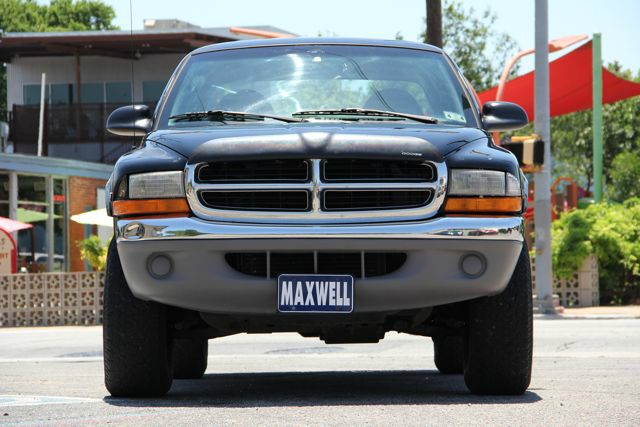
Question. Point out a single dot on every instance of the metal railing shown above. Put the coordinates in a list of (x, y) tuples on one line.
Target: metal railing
[(75, 131)]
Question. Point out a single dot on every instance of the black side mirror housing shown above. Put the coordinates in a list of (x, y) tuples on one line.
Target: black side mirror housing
[(499, 116), (130, 120)]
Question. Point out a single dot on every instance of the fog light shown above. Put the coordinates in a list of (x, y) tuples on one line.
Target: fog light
[(473, 265), (159, 266)]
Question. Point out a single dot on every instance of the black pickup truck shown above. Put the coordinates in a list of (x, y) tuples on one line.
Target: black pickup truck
[(337, 188)]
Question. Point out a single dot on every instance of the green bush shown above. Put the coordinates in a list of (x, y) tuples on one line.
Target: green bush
[(611, 232), (94, 252)]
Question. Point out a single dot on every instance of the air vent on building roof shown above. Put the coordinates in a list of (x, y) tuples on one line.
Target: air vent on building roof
[(167, 24)]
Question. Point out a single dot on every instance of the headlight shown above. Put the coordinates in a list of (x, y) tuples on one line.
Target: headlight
[(156, 185), (471, 182)]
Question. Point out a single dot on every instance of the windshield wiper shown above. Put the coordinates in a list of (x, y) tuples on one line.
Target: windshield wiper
[(365, 112), (223, 116)]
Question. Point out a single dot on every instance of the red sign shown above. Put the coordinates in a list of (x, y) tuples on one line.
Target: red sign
[(7, 253)]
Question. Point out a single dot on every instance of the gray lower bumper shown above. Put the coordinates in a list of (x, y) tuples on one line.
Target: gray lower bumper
[(202, 280)]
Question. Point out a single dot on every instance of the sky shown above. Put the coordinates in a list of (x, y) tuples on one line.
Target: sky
[(617, 20)]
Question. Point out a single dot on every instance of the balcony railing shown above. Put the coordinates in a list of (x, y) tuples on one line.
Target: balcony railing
[(70, 131)]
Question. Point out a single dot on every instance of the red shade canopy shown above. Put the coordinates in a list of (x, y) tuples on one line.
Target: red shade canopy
[(570, 81), (10, 225)]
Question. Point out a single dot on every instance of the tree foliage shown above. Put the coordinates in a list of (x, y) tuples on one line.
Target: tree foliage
[(611, 231), (58, 15), (472, 42), (625, 176)]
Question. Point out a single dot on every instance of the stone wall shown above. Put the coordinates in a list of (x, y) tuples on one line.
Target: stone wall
[(51, 299), (581, 289)]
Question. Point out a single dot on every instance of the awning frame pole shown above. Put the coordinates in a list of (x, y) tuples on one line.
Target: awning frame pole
[(597, 117)]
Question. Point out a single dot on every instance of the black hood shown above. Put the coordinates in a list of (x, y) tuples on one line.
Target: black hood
[(316, 140)]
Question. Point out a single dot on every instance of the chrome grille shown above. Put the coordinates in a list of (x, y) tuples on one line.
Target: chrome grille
[(316, 191)]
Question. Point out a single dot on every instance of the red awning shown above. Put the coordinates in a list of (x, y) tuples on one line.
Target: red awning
[(10, 225), (570, 81)]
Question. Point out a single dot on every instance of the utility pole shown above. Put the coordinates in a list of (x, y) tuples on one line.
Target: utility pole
[(544, 273), (597, 117), (434, 22)]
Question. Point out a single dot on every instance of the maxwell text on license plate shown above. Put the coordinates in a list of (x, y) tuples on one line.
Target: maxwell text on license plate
[(315, 293)]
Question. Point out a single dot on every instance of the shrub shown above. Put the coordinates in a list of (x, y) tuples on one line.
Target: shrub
[(94, 252), (611, 232)]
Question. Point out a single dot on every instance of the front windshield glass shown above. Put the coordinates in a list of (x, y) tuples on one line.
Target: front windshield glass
[(282, 80)]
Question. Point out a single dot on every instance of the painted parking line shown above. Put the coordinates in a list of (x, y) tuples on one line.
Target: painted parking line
[(27, 400)]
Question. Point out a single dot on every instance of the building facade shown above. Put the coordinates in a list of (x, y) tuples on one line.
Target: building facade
[(87, 75), (45, 192)]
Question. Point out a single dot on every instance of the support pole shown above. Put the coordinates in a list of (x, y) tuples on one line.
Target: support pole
[(434, 22), (50, 224), (43, 88), (597, 117), (544, 274)]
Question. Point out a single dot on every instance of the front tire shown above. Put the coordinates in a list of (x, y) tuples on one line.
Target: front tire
[(189, 357), (499, 340), (135, 338)]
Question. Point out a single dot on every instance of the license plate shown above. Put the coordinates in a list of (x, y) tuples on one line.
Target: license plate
[(315, 293)]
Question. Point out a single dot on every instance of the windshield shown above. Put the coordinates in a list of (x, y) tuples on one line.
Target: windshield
[(283, 80)]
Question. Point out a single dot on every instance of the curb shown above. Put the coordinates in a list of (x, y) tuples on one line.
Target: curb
[(584, 316)]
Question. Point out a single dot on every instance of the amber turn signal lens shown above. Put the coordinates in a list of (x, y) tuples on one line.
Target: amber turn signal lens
[(149, 207), (483, 205)]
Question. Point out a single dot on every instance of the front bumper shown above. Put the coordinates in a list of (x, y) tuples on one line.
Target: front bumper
[(201, 279)]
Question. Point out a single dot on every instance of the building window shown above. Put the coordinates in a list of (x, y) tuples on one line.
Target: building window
[(152, 90), (91, 93), (59, 224), (4, 195), (61, 94), (118, 92), (33, 208), (31, 94)]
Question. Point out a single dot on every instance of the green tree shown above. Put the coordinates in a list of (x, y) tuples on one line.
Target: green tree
[(58, 15), (572, 138), (472, 42), (625, 176)]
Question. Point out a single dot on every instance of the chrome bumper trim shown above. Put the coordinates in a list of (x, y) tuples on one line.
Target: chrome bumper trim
[(504, 228)]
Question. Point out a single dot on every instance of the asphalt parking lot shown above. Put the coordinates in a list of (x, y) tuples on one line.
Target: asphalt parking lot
[(586, 372)]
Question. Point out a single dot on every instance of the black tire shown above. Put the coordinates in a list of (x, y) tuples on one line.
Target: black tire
[(189, 358), (448, 353), (499, 340), (135, 338)]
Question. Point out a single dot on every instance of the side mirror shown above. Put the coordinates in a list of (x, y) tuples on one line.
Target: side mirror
[(499, 116), (131, 120)]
